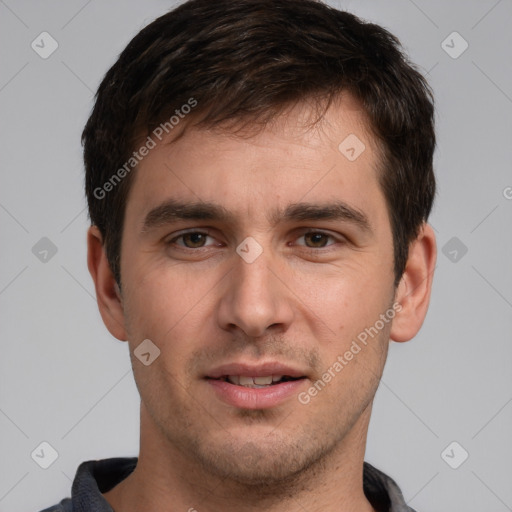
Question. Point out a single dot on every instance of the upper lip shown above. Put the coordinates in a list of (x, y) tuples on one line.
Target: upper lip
[(255, 370)]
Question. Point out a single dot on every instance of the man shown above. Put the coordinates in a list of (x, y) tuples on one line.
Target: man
[(259, 179)]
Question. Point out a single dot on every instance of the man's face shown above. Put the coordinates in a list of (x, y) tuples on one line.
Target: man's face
[(289, 301)]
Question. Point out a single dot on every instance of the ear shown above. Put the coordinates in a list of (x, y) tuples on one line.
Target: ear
[(108, 294), (413, 291)]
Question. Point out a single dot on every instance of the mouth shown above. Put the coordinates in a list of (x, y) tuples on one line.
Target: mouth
[(260, 386), (257, 382)]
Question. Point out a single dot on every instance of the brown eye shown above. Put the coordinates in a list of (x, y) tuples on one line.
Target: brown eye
[(316, 239), (194, 240)]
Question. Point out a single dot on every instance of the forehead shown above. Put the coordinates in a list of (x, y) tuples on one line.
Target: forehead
[(251, 172)]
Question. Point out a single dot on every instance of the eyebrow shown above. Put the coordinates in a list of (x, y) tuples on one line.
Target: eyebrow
[(173, 210), (337, 210)]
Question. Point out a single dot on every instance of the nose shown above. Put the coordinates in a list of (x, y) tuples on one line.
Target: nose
[(254, 299)]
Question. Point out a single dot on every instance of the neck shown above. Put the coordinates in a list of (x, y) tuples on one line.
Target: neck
[(164, 475)]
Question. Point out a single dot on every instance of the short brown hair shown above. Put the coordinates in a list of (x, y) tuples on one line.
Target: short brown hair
[(247, 60)]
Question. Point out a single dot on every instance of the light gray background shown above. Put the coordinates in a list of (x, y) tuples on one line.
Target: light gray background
[(66, 381)]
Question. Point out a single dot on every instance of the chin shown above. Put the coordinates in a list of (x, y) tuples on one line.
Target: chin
[(267, 460)]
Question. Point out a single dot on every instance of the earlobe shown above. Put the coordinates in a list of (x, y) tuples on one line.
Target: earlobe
[(108, 293), (414, 290)]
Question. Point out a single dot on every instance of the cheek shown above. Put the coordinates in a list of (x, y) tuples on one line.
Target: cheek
[(160, 297), (172, 310), (344, 298), (355, 345)]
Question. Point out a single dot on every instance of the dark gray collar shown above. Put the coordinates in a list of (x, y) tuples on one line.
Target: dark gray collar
[(95, 477)]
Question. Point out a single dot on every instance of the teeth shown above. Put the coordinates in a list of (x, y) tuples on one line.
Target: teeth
[(246, 381), (263, 381), (253, 382)]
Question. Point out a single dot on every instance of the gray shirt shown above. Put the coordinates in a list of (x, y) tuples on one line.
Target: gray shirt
[(95, 477)]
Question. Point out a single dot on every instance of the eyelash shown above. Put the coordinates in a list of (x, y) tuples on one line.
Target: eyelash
[(303, 234)]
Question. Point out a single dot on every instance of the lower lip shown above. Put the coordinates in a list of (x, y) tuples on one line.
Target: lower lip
[(255, 398)]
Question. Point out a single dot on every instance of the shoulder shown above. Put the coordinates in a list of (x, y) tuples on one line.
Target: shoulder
[(94, 477), (382, 491), (63, 506)]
